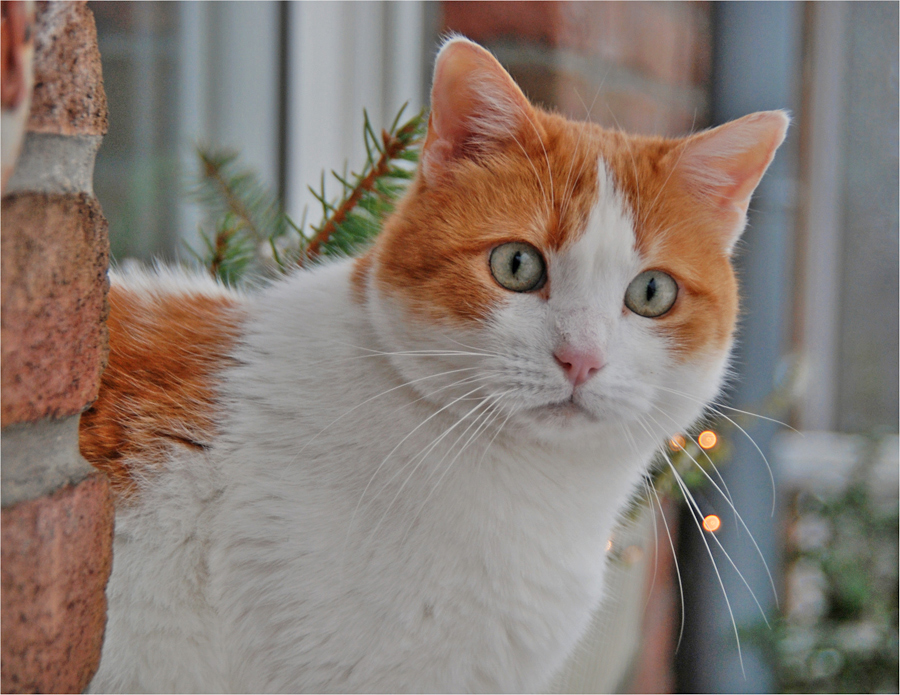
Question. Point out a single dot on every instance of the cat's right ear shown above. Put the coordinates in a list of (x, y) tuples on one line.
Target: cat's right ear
[(723, 166), (475, 105)]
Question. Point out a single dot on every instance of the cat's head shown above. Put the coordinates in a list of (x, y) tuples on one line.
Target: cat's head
[(569, 275)]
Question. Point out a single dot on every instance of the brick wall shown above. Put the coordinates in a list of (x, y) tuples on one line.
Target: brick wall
[(57, 515), (641, 66)]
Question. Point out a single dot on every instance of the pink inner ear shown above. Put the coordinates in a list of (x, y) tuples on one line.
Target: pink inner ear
[(474, 104), (725, 164)]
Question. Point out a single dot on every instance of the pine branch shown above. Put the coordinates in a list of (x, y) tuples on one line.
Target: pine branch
[(212, 169), (393, 146), (252, 229)]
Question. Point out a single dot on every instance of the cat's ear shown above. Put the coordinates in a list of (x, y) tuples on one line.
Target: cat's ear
[(723, 166), (475, 105)]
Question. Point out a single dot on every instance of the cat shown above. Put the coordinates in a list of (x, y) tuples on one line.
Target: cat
[(399, 472)]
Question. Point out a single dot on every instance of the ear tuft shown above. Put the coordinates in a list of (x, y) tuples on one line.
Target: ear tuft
[(475, 104)]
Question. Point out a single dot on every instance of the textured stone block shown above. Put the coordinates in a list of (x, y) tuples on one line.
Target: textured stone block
[(56, 559), (486, 22), (54, 259), (68, 94), (667, 42)]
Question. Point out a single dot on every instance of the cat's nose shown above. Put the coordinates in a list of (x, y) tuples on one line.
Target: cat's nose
[(579, 365)]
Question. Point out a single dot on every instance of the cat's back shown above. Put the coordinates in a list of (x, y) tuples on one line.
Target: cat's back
[(188, 358), (152, 429)]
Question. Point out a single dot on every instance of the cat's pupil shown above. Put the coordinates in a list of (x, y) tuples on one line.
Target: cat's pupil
[(516, 262), (651, 289)]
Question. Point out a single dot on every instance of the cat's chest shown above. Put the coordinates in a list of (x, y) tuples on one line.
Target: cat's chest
[(425, 562)]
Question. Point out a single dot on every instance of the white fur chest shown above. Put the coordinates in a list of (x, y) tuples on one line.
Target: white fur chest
[(347, 534), (389, 546)]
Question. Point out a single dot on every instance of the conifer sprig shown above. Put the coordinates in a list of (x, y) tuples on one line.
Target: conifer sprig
[(366, 200), (253, 234)]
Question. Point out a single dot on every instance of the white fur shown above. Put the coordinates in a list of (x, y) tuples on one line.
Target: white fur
[(322, 545)]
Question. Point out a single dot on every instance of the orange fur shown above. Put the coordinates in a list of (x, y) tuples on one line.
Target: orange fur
[(440, 239), (675, 232), (158, 390)]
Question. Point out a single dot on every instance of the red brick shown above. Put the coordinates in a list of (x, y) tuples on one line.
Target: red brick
[(68, 94), (56, 559), (657, 40), (491, 21), (664, 41), (54, 259)]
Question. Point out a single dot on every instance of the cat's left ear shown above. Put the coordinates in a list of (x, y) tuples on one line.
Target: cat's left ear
[(724, 165)]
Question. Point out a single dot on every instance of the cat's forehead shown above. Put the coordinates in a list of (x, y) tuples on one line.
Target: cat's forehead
[(601, 250)]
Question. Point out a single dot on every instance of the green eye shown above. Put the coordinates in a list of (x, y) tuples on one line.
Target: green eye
[(518, 266), (651, 294)]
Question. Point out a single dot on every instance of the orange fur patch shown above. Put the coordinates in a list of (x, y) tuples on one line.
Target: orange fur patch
[(435, 249), (158, 390), (678, 233)]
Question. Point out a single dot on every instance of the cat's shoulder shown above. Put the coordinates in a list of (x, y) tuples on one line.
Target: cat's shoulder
[(171, 334)]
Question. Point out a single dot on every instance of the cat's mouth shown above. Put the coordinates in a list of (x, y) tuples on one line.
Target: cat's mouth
[(567, 408)]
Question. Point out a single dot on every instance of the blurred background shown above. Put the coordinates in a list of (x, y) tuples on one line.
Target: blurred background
[(284, 84)]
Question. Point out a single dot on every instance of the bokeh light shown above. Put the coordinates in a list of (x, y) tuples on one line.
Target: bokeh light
[(711, 523), (677, 442), (707, 439)]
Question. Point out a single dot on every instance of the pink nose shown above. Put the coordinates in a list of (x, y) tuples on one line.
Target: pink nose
[(578, 365)]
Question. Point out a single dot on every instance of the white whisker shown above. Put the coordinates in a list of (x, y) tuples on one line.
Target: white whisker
[(422, 456), (738, 516), (397, 446), (489, 415), (675, 558), (689, 498)]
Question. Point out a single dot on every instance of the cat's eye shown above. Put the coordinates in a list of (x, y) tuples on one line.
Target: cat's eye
[(518, 266), (651, 294)]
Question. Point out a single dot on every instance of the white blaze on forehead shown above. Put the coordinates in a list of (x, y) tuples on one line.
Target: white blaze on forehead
[(589, 277)]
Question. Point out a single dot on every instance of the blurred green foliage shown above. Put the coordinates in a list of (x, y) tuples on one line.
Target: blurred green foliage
[(839, 632)]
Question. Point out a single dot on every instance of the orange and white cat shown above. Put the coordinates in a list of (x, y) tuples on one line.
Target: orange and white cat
[(399, 472)]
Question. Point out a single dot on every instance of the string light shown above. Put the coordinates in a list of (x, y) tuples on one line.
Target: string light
[(707, 439), (677, 442), (632, 554), (711, 523)]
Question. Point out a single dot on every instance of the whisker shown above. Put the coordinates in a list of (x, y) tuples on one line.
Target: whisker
[(659, 193), (727, 493), (646, 481), (512, 412), (571, 191), (675, 558), (422, 351), (422, 456), (470, 347), (740, 518), (765, 460), (691, 506), (546, 159), (533, 168), (384, 393), (745, 433), (397, 446), (490, 415), (633, 164), (715, 408), (689, 498)]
